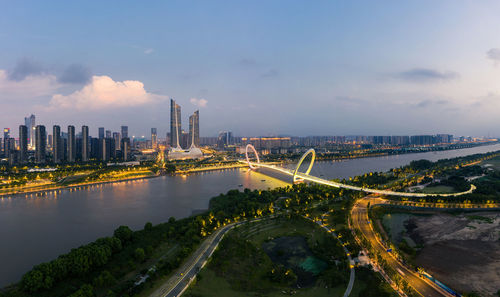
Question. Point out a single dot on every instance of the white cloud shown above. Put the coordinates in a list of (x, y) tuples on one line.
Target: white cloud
[(28, 88), (199, 102), (149, 51), (104, 92)]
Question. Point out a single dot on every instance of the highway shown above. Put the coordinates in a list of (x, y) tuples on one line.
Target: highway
[(178, 283), (361, 222)]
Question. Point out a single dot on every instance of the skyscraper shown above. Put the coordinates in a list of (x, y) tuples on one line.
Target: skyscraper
[(125, 148), (175, 124), (6, 139), (154, 138), (108, 133), (194, 129), (57, 144), (124, 131), (23, 143), (118, 140), (40, 143), (85, 143), (101, 132), (29, 122), (71, 144)]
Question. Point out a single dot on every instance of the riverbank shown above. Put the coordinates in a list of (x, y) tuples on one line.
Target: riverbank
[(71, 188)]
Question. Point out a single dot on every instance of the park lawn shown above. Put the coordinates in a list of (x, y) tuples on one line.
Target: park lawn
[(495, 162), (210, 285), (438, 189)]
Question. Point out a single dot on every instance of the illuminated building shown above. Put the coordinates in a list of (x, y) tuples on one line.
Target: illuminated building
[(154, 138), (29, 122), (85, 143), (118, 139), (23, 143), (71, 144), (40, 143), (57, 144), (194, 129), (175, 124)]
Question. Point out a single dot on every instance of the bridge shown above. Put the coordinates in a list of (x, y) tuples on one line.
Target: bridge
[(297, 176)]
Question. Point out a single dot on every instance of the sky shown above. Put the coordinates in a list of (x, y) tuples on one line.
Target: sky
[(257, 68)]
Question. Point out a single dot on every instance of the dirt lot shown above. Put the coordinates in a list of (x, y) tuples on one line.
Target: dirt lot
[(462, 251)]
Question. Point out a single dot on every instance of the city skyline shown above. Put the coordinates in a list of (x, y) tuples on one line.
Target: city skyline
[(357, 68)]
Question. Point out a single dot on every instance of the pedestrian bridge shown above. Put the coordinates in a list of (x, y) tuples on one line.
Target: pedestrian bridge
[(297, 176)]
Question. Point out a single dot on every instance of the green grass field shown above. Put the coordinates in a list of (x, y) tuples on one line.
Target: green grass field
[(438, 189)]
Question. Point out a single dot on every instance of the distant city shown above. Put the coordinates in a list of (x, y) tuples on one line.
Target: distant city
[(36, 145)]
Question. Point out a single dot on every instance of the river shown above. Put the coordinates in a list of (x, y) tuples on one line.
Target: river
[(38, 229)]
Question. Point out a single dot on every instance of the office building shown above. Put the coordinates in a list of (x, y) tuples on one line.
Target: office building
[(85, 143), (154, 138), (194, 129), (29, 122), (108, 133), (23, 143), (175, 124), (125, 145), (101, 132), (225, 139), (6, 141), (57, 144), (40, 143), (118, 140), (71, 144), (124, 132)]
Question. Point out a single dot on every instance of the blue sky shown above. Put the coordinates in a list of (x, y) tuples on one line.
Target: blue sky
[(254, 67)]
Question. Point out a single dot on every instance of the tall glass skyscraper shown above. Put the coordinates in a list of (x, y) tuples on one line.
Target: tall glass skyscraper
[(175, 124), (85, 143), (194, 129), (23, 143), (71, 144), (57, 144), (29, 122)]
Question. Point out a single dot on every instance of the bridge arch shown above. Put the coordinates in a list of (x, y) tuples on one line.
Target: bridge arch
[(249, 146), (310, 151)]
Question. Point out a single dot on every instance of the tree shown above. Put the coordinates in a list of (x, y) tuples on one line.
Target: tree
[(84, 291), (139, 254), (148, 226), (123, 233)]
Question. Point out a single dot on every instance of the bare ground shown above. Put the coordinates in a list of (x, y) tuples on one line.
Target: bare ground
[(462, 251)]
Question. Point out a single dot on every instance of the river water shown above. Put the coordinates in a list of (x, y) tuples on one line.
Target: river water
[(38, 229)]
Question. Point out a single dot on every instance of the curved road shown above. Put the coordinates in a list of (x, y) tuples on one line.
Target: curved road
[(361, 221)]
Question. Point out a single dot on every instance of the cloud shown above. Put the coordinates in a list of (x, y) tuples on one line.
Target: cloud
[(30, 87), (149, 51), (494, 54), (25, 67), (247, 62), (75, 74), (199, 102), (104, 92), (425, 103), (426, 75), (270, 73)]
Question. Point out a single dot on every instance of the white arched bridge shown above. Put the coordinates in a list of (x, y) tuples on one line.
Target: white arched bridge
[(305, 176)]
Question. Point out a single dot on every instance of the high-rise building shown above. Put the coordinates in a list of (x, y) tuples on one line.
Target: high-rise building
[(40, 143), (124, 131), (23, 143), (108, 133), (57, 144), (194, 129), (6, 137), (117, 138), (71, 144), (154, 138), (175, 124), (101, 132), (125, 148), (29, 122), (225, 138), (85, 143)]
